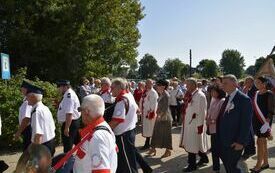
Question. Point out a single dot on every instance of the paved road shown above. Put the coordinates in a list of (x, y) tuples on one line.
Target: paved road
[(173, 164)]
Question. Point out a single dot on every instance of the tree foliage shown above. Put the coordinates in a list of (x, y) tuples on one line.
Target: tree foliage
[(11, 99), (251, 70), (148, 67), (232, 62), (175, 68), (208, 68), (67, 39)]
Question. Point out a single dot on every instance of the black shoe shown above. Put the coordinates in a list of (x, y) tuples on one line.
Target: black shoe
[(202, 163), (265, 167), (3, 166), (189, 169), (255, 171), (148, 170), (145, 147)]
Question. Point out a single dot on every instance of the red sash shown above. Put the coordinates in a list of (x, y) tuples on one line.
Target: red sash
[(86, 134), (257, 110)]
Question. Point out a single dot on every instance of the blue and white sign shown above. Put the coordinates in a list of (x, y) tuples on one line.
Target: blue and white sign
[(5, 66)]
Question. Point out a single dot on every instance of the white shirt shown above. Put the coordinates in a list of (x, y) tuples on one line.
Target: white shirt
[(69, 105), (127, 122), (230, 105), (42, 122), (107, 97), (100, 153), (174, 94), (24, 111)]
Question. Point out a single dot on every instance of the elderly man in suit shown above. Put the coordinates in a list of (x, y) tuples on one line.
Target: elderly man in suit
[(234, 124)]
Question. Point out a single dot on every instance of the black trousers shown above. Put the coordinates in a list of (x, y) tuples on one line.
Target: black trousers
[(192, 159), (142, 163), (127, 152), (250, 148), (230, 158), (27, 135), (50, 145), (73, 138), (175, 111), (215, 152)]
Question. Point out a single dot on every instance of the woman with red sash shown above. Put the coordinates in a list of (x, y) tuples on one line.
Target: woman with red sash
[(263, 104)]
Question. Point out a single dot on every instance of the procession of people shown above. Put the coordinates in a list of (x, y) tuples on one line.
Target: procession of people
[(99, 129)]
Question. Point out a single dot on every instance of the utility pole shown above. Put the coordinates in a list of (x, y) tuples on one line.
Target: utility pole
[(190, 65)]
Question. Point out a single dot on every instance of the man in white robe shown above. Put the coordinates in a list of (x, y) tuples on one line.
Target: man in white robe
[(148, 107), (194, 139)]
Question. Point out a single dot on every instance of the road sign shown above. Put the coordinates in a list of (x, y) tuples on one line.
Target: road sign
[(5, 66)]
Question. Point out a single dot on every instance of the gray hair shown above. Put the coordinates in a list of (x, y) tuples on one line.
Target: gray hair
[(119, 82), (94, 104), (38, 97), (192, 81), (231, 77), (249, 78), (106, 80)]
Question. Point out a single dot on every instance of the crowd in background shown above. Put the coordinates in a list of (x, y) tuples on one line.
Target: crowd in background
[(231, 112)]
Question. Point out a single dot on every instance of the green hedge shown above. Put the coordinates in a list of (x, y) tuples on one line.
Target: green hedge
[(10, 101)]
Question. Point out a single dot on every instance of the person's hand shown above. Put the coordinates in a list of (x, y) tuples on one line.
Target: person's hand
[(66, 132), (16, 136), (237, 146)]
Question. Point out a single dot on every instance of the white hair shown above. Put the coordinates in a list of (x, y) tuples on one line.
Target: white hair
[(106, 81), (94, 104), (119, 82), (231, 77), (38, 97)]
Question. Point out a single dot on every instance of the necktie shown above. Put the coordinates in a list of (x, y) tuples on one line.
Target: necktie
[(221, 113)]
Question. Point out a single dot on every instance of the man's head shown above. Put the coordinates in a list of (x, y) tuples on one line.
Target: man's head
[(191, 84), (63, 85), (118, 85), (229, 83), (204, 82), (149, 84), (92, 107), (141, 85), (36, 159), (249, 82), (34, 94), (175, 84), (24, 87), (105, 83)]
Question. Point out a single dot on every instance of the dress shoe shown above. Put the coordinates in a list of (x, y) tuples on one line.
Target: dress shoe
[(254, 170), (189, 169), (152, 152), (145, 147), (166, 154), (265, 167), (202, 163)]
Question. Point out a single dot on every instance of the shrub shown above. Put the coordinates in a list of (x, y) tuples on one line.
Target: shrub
[(11, 99)]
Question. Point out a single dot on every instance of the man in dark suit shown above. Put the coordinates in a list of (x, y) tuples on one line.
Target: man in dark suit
[(234, 124)]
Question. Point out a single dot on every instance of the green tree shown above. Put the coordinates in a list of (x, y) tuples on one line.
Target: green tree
[(208, 68), (175, 68), (64, 39), (251, 70), (232, 62), (148, 67), (260, 61)]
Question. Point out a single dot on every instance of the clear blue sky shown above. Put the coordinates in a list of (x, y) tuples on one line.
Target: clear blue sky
[(171, 27)]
